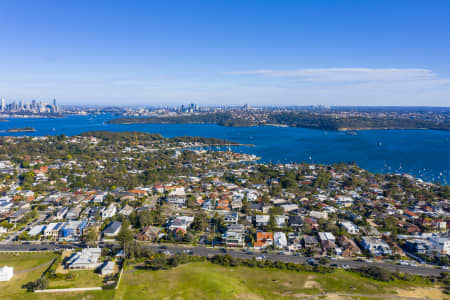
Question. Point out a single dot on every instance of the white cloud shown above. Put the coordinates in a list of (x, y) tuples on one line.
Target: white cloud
[(349, 74)]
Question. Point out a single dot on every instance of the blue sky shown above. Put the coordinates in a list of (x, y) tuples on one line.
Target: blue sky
[(226, 52)]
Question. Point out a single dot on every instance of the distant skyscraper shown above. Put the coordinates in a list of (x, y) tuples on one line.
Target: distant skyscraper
[(54, 102), (3, 107)]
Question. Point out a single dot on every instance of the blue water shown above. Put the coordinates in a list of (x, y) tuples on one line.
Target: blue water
[(422, 153)]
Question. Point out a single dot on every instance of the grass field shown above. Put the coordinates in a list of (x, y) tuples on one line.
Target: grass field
[(208, 281), (80, 279), (21, 263), (25, 261)]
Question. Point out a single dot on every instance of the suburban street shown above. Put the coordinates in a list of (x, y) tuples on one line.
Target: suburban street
[(208, 252)]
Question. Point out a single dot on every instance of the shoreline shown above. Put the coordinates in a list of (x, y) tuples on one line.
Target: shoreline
[(340, 129)]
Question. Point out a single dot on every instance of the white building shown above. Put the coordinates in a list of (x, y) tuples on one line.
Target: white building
[(108, 268), (376, 246), (35, 230), (87, 258), (176, 191), (280, 240), (289, 207), (6, 273), (319, 214), (262, 220), (99, 198), (440, 245), (327, 236), (350, 227), (109, 212), (182, 222)]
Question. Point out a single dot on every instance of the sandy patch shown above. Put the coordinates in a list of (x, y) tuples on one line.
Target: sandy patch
[(337, 297), (434, 293), (60, 269), (310, 283), (249, 296)]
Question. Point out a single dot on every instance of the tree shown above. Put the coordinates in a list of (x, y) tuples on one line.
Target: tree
[(145, 218), (271, 225), (90, 237), (323, 260), (200, 223), (125, 235)]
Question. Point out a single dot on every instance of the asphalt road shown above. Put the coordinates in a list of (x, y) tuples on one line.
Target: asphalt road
[(202, 251), (207, 252)]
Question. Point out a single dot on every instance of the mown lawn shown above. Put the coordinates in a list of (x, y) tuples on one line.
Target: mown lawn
[(208, 281), (80, 279)]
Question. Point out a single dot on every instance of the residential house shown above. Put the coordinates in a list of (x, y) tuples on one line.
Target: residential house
[(175, 200), (73, 230), (233, 238), (350, 227), (289, 207), (263, 240), (126, 210), (148, 233), (318, 214), (280, 240), (376, 246), (295, 222), (182, 223), (231, 217), (112, 229), (440, 245), (18, 215), (262, 220), (73, 213), (280, 221), (87, 258), (109, 212), (310, 241), (61, 213)]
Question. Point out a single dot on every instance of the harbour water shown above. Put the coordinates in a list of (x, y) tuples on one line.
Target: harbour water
[(422, 153)]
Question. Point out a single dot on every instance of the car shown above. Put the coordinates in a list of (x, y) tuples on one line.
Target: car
[(223, 250), (187, 251), (163, 247), (259, 258), (346, 266), (444, 268), (167, 252)]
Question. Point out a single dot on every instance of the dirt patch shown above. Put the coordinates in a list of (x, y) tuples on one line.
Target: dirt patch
[(310, 283), (60, 269), (249, 296), (337, 297), (434, 293)]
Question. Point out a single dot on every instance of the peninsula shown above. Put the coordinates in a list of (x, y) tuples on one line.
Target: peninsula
[(313, 120)]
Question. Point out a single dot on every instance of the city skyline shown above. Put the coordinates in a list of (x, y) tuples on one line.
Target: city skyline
[(230, 53)]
